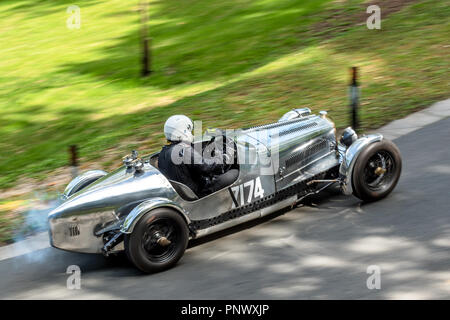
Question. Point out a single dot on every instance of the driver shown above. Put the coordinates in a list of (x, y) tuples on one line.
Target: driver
[(179, 161)]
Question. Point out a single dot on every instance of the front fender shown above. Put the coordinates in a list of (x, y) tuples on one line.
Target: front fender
[(144, 207), (349, 160)]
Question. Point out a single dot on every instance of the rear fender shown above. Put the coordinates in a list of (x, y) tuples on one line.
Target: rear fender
[(349, 160), (138, 212)]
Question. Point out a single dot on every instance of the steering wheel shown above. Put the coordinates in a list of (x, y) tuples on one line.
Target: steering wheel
[(222, 149)]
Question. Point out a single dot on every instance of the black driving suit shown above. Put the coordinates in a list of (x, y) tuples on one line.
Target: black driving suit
[(182, 163)]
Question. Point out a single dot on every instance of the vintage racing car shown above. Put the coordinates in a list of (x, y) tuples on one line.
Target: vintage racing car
[(138, 210)]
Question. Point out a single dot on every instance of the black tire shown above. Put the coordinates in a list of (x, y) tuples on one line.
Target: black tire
[(367, 184), (141, 245)]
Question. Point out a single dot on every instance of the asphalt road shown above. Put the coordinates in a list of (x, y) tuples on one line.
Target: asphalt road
[(321, 250)]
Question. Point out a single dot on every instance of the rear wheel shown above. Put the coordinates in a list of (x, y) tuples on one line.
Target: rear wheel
[(377, 171), (158, 240)]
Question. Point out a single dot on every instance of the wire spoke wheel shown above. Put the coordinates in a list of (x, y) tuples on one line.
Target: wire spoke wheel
[(377, 171), (158, 240)]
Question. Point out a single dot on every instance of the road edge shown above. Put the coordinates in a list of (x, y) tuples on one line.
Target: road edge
[(415, 121)]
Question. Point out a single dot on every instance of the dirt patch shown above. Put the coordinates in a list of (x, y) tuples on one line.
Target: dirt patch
[(9, 222), (57, 179), (27, 186), (53, 184), (342, 18)]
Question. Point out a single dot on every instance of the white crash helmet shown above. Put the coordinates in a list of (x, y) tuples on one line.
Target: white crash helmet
[(179, 128)]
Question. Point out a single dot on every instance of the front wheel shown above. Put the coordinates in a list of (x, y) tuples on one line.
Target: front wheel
[(158, 240), (377, 171)]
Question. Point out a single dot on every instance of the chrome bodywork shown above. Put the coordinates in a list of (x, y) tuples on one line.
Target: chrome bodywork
[(279, 157), (82, 180), (104, 204), (295, 113)]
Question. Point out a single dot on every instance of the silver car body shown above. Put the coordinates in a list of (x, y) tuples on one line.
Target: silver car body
[(275, 163)]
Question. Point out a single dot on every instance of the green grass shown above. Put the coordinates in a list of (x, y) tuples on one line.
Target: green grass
[(229, 63)]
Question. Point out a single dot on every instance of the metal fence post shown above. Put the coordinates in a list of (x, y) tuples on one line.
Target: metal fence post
[(354, 97), (73, 153), (145, 40)]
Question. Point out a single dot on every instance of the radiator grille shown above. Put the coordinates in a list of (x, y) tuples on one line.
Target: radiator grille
[(303, 157)]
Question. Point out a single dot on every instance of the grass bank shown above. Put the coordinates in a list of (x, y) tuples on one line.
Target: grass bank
[(229, 63)]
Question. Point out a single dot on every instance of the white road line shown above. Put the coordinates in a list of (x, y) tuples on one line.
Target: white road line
[(30, 244)]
